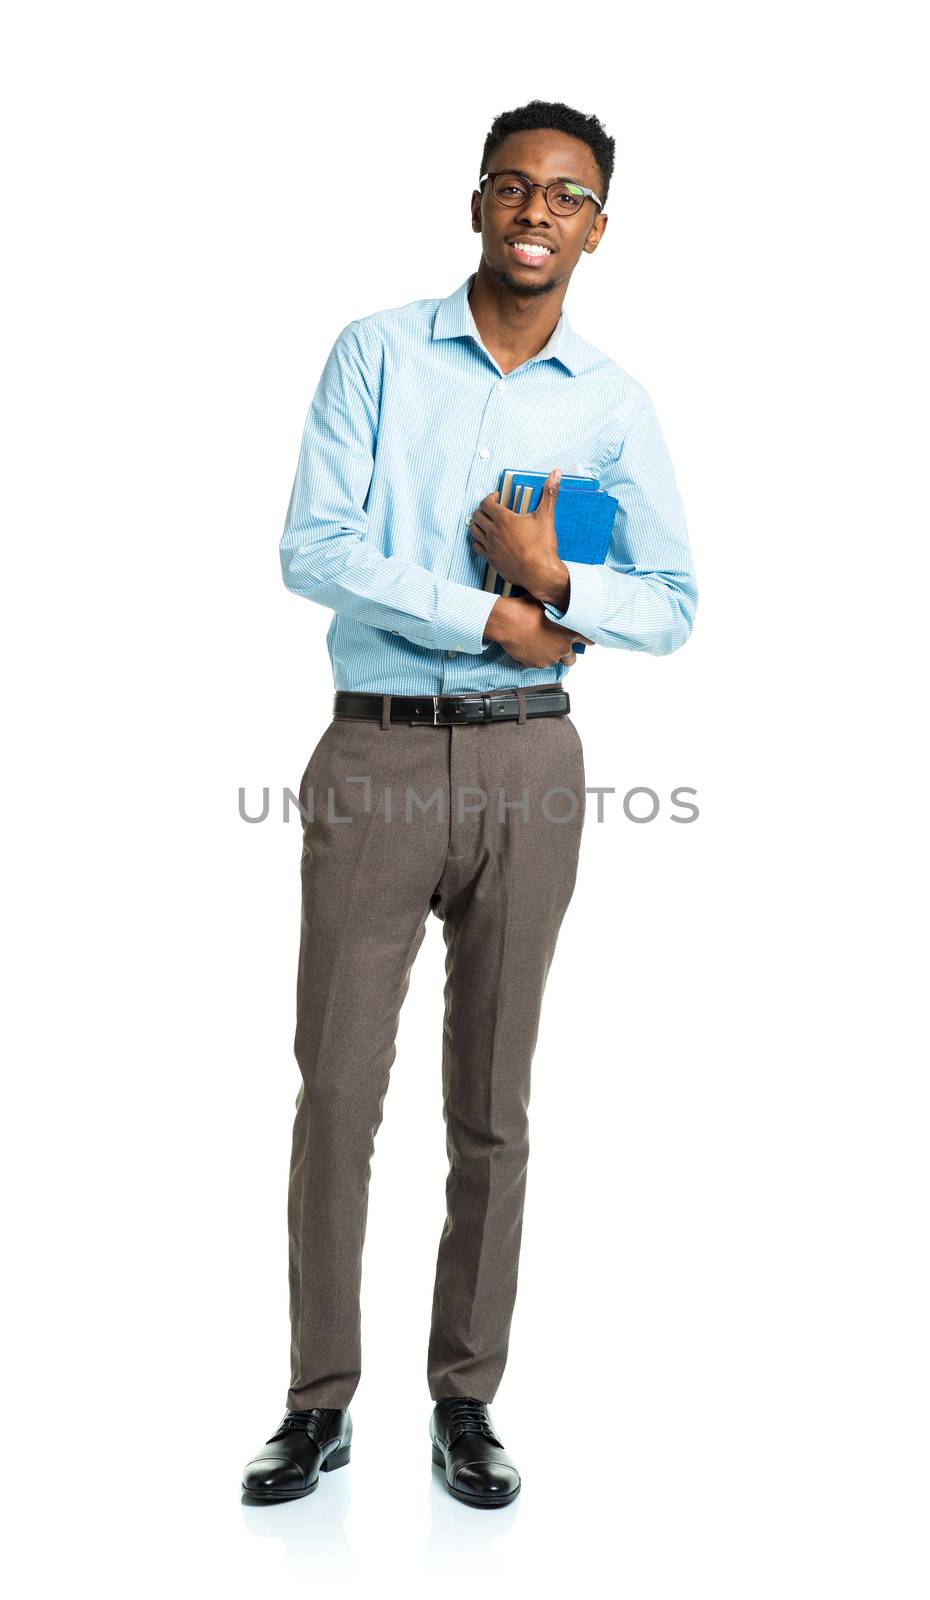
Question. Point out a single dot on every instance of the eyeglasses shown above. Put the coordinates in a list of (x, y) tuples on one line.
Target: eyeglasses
[(562, 197)]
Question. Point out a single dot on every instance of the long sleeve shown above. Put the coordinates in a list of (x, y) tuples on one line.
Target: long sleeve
[(326, 552), (644, 596)]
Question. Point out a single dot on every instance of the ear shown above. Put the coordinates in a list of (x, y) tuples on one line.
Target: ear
[(596, 234)]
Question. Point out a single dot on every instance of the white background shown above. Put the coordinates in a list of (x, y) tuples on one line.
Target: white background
[(718, 1381)]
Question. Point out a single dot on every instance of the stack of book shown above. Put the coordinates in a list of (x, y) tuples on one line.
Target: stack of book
[(584, 519)]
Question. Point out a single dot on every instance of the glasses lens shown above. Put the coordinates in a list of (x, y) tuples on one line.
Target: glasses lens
[(510, 189), (566, 198)]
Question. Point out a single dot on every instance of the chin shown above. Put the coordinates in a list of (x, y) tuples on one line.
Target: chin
[(532, 284)]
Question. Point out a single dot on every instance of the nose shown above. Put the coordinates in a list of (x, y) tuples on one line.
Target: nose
[(534, 209)]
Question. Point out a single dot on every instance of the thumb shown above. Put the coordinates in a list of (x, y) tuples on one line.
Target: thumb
[(552, 488)]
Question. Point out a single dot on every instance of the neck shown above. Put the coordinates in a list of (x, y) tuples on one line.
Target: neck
[(514, 326)]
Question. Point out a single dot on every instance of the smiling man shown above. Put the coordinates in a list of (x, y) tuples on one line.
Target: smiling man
[(440, 784)]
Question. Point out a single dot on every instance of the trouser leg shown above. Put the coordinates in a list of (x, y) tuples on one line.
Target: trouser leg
[(502, 897), (365, 893)]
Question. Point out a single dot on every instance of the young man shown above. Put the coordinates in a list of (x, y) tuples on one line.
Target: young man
[(444, 692)]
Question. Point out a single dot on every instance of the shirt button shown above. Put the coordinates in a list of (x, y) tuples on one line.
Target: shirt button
[(501, 385), (484, 453), (450, 652)]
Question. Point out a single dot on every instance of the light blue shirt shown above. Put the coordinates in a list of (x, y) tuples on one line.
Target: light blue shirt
[(412, 423)]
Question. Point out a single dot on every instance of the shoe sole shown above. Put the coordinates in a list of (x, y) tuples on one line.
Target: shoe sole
[(339, 1458), (486, 1502)]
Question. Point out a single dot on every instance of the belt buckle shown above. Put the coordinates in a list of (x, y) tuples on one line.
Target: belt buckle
[(435, 699)]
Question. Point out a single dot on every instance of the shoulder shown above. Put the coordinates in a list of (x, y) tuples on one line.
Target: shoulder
[(618, 396), (602, 369), (382, 341), (410, 322)]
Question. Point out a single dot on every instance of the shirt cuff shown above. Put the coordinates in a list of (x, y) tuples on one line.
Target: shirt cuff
[(585, 601), (461, 618)]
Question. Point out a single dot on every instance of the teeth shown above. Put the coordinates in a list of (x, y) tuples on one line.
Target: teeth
[(532, 249)]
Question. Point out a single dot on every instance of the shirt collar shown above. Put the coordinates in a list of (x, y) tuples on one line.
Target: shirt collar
[(453, 319)]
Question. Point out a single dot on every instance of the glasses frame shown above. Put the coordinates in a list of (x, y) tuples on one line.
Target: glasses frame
[(545, 187)]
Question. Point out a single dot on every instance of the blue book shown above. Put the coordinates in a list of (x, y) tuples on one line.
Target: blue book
[(584, 519)]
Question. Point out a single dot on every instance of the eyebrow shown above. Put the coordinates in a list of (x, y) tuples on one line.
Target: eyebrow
[(562, 178)]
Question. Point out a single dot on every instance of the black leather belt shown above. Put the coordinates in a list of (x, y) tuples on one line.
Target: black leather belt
[(441, 710)]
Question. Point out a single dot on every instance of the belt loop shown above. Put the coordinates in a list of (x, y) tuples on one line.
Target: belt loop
[(521, 702), (385, 711)]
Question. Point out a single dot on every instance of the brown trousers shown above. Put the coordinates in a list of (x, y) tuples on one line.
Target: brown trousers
[(423, 834)]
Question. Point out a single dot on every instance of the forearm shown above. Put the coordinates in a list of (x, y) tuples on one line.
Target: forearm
[(624, 611), (552, 587), (338, 569)]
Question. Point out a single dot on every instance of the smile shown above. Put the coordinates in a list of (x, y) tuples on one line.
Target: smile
[(531, 254)]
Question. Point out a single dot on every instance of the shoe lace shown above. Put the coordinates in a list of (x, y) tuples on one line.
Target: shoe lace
[(303, 1421), (468, 1416)]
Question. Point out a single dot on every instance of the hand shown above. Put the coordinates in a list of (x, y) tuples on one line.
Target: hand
[(523, 548), (520, 625)]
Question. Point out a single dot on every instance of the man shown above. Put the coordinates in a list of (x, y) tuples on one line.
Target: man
[(445, 691)]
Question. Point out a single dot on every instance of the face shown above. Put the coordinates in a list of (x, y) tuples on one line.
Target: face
[(543, 155)]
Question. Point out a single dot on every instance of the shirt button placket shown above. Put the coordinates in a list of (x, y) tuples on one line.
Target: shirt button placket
[(484, 454)]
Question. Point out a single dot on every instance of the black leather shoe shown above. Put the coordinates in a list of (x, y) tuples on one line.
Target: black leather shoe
[(478, 1469), (306, 1443)]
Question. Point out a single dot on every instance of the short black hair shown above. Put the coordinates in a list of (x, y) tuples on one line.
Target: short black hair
[(554, 114)]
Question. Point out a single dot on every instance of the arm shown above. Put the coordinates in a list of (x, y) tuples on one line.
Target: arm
[(644, 596), (327, 554)]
